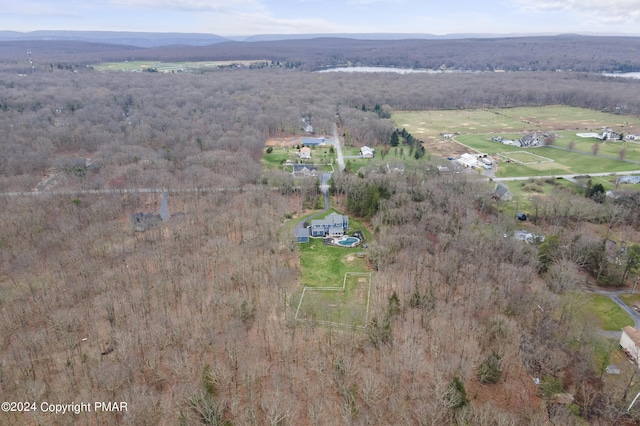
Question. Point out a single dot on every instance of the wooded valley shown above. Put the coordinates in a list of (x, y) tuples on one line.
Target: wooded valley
[(191, 321)]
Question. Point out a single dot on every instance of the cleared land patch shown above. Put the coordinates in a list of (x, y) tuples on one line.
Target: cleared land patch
[(346, 306), (139, 66), (524, 157), (513, 123)]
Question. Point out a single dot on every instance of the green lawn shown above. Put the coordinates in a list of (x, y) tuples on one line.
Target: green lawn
[(347, 306), (507, 121), (477, 127), (325, 266), (275, 159), (168, 66), (630, 299), (611, 316), (319, 156)]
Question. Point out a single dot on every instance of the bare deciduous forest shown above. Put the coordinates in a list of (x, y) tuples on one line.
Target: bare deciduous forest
[(191, 321)]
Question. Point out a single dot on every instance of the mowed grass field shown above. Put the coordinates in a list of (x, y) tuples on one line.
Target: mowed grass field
[(167, 66), (512, 120), (347, 306), (324, 266), (477, 127)]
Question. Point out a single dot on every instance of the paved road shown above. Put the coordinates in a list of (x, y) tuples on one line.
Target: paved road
[(632, 313), (324, 187), (128, 191), (571, 176), (336, 144), (615, 296)]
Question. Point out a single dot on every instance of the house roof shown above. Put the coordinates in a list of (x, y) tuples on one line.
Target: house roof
[(332, 219), (633, 334), (312, 141), (395, 166), (501, 189), (302, 167)]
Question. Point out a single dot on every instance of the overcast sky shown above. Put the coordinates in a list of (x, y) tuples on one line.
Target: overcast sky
[(248, 17)]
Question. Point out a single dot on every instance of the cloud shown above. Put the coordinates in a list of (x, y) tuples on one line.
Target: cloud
[(369, 2), (602, 10), (193, 5), (256, 23)]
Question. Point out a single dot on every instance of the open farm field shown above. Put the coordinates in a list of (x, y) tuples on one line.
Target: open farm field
[(431, 124), (167, 66), (570, 154), (564, 162)]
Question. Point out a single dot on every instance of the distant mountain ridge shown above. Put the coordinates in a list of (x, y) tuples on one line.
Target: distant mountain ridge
[(565, 52), (154, 39), (137, 39)]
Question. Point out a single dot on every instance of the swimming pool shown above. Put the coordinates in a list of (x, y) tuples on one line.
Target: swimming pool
[(349, 241)]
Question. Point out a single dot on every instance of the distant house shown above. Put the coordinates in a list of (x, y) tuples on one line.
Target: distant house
[(304, 170), (313, 141), (629, 179), (630, 343), (502, 192), (395, 168), (632, 137), (608, 135), (366, 152), (531, 139), (468, 160), (333, 225), (305, 153), (447, 135)]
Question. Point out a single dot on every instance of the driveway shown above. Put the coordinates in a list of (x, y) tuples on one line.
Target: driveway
[(336, 144), (324, 187)]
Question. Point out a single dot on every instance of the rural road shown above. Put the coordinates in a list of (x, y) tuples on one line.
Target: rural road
[(324, 187), (571, 176), (632, 313), (336, 144)]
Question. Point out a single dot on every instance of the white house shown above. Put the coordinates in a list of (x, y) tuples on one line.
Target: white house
[(630, 342), (366, 152), (468, 160), (608, 135), (305, 153)]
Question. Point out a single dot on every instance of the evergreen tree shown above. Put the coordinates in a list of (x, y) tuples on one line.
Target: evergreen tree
[(456, 394), (395, 140), (394, 304), (491, 368)]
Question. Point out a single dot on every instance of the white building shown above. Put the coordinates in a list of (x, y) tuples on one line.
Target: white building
[(366, 152), (630, 342), (468, 160), (305, 153)]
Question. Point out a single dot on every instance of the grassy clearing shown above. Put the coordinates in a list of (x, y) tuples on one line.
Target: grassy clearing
[(610, 315), (275, 159), (630, 299), (169, 66), (319, 156), (325, 266), (477, 127), (507, 121), (345, 305)]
